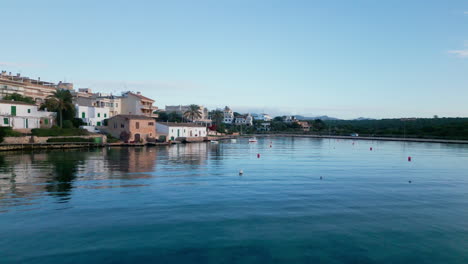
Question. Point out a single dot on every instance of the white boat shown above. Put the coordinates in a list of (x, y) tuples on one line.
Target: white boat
[(214, 141), (252, 140), (233, 140)]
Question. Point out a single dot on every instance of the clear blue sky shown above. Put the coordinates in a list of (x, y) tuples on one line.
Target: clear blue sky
[(343, 58)]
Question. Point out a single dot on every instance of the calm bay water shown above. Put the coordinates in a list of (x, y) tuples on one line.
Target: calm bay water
[(188, 204)]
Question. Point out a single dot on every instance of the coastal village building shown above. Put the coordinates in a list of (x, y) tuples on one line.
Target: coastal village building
[(228, 115), (289, 119), (262, 117), (137, 104), (304, 125), (21, 115), (132, 128), (127, 104), (92, 116), (181, 109), (244, 120), (176, 131), (36, 89)]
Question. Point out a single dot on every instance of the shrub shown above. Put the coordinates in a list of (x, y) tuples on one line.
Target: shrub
[(77, 122), (71, 139), (57, 132), (111, 139), (8, 132), (67, 124)]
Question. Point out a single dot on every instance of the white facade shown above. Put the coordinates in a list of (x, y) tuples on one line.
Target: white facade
[(228, 115), (20, 115), (244, 120), (92, 116), (172, 131), (262, 117)]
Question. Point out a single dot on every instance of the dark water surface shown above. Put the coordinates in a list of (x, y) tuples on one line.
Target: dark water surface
[(188, 204)]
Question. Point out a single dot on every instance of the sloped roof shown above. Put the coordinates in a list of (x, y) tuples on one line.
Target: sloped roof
[(14, 102), (138, 117), (173, 124), (141, 96)]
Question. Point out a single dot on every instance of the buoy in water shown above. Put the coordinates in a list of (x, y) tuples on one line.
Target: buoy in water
[(320, 177), (409, 158), (241, 172), (370, 149), (409, 181), (258, 155)]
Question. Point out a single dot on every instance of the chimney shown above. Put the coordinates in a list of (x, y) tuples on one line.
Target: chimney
[(138, 93), (18, 75), (39, 79)]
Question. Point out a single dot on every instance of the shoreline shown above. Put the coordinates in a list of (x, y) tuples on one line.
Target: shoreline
[(421, 140), (71, 145)]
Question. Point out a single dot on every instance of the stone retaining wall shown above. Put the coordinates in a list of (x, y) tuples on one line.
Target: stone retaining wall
[(41, 140)]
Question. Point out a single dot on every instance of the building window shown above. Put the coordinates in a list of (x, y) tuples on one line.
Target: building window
[(122, 126), (83, 115), (105, 115), (98, 123), (115, 125), (150, 124), (29, 111), (137, 124), (13, 110), (46, 121), (99, 115), (5, 121)]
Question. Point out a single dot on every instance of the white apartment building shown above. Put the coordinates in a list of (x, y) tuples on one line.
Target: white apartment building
[(244, 120), (228, 115), (21, 115), (92, 116)]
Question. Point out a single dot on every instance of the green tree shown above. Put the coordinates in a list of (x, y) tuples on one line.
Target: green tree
[(174, 117), (19, 98), (163, 116), (193, 112), (217, 117), (61, 102)]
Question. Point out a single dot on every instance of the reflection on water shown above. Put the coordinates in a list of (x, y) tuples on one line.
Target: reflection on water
[(24, 176)]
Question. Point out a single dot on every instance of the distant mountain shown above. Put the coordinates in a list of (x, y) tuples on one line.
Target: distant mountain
[(363, 118), (324, 117)]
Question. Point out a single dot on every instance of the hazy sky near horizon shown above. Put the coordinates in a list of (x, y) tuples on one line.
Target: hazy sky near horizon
[(342, 58)]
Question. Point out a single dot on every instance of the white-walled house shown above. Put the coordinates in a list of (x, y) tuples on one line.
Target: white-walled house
[(92, 116), (228, 115), (244, 120), (172, 131), (21, 115)]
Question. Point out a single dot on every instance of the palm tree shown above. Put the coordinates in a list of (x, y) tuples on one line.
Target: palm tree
[(193, 112), (59, 101)]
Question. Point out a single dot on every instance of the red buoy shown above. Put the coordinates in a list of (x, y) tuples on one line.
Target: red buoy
[(409, 158), (370, 149), (258, 155)]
